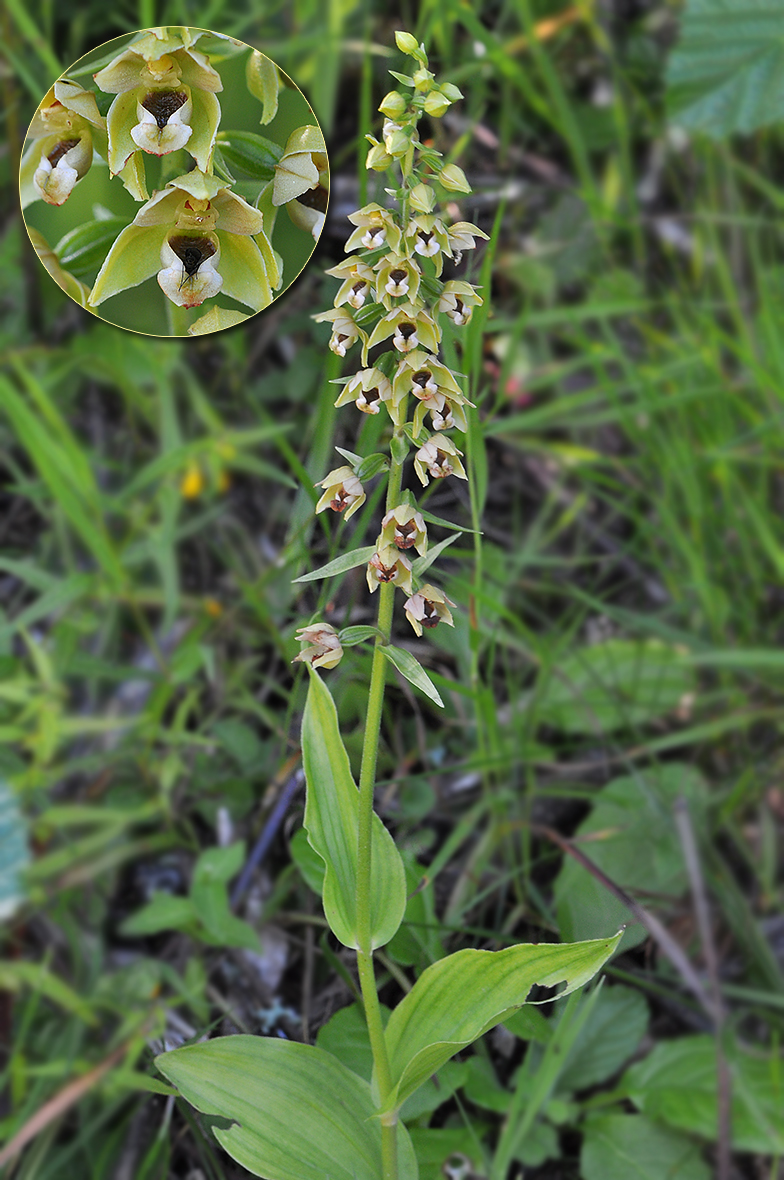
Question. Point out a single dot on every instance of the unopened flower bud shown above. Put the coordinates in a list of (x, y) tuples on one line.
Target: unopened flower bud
[(454, 179), (393, 105), (422, 198), (427, 608), (321, 646), (436, 104), (378, 158), (407, 43)]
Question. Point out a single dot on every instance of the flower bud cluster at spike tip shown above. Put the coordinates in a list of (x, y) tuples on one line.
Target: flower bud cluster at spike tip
[(393, 293)]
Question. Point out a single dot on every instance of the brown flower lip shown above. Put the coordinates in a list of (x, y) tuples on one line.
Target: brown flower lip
[(60, 150), (163, 103), (192, 252), (431, 618)]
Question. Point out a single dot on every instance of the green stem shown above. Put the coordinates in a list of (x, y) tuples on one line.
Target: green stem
[(367, 782)]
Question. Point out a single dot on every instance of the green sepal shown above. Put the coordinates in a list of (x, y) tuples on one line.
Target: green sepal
[(134, 257)]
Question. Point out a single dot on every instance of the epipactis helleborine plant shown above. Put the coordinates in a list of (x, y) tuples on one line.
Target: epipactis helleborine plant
[(298, 1111)]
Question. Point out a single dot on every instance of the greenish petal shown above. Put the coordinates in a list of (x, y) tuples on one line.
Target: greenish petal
[(244, 273), (294, 175), (134, 179), (75, 98), (263, 81), (205, 121), (134, 257), (305, 139), (119, 121), (216, 319), (272, 260), (197, 71), (161, 209), (198, 184), (27, 190), (235, 215)]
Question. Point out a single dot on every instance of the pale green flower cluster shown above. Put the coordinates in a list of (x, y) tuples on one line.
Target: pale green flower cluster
[(197, 235), (392, 291)]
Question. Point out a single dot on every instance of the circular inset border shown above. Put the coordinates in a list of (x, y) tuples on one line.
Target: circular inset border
[(146, 167)]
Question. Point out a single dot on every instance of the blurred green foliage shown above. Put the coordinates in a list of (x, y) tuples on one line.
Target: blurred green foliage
[(629, 377)]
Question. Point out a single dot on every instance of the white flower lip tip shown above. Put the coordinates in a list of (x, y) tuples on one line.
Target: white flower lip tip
[(163, 125), (189, 276)]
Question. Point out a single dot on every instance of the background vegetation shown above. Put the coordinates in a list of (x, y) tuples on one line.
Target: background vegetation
[(614, 687)]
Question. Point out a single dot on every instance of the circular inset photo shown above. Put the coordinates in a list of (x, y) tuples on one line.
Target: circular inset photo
[(174, 181)]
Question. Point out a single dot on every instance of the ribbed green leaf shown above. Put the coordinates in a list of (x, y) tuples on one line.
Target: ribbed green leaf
[(346, 561), (459, 998), (413, 671), (298, 1114), (332, 819)]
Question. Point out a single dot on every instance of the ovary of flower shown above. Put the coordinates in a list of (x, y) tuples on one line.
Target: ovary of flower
[(404, 527), (322, 647), (188, 275), (367, 389), (427, 608), (59, 169), (343, 492), (164, 121), (440, 458)]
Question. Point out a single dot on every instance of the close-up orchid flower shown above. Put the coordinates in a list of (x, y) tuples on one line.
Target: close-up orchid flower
[(151, 115)]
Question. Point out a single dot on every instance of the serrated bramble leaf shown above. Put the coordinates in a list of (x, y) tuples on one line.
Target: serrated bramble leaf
[(726, 74)]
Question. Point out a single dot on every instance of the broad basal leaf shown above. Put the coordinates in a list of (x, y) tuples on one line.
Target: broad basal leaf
[(459, 998), (332, 819), (297, 1113), (726, 74)]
